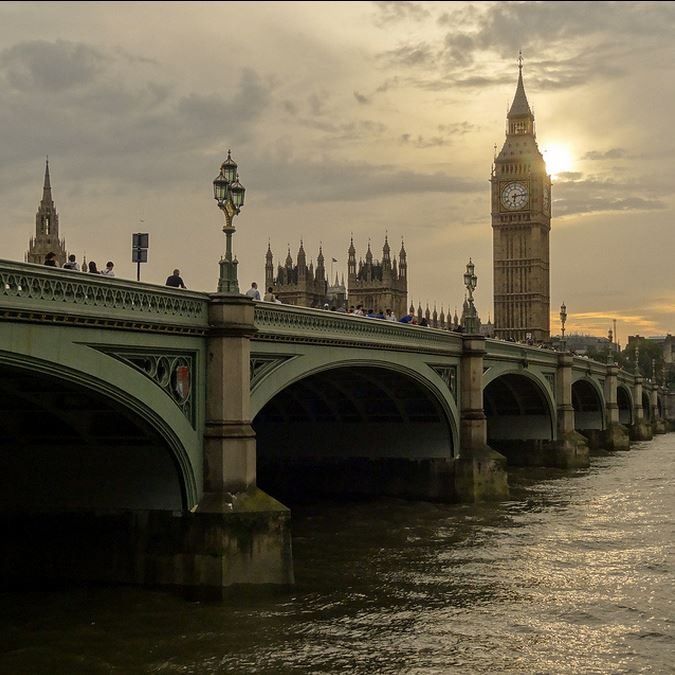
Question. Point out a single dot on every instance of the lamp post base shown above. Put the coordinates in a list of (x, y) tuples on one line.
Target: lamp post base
[(227, 283)]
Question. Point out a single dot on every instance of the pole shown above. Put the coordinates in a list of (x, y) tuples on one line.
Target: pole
[(138, 270)]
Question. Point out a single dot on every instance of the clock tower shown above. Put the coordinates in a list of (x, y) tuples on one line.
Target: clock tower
[(521, 221)]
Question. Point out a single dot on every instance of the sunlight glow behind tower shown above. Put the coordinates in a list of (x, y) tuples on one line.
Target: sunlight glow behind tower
[(558, 159)]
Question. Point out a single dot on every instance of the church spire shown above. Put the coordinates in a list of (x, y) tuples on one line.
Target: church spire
[(47, 187), (46, 238)]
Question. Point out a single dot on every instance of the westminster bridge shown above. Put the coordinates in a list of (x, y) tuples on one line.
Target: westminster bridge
[(151, 435)]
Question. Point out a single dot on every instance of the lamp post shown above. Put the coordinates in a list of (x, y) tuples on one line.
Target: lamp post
[(229, 193), (637, 356), (470, 281), (563, 318)]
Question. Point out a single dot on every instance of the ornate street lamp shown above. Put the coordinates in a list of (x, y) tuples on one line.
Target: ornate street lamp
[(563, 318), (471, 281), (637, 356), (229, 193)]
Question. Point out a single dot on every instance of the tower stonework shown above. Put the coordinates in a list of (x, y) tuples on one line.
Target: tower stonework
[(378, 285), (46, 239), (521, 222), (297, 284)]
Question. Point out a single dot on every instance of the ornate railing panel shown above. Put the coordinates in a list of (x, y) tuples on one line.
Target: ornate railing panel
[(288, 323), (44, 294)]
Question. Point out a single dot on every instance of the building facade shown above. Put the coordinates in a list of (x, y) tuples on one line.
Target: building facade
[(46, 239), (521, 221), (378, 285), (297, 284)]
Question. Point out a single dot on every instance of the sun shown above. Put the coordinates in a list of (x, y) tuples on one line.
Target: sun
[(558, 159)]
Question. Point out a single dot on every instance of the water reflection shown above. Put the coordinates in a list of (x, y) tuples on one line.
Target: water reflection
[(574, 574)]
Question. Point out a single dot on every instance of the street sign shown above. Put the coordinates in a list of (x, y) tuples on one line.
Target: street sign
[(139, 250), (139, 255), (140, 240)]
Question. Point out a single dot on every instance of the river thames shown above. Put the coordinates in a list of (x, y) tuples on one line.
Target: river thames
[(573, 575)]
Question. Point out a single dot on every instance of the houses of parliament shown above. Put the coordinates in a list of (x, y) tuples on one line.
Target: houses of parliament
[(375, 284)]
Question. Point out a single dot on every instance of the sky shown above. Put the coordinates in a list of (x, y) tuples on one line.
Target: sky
[(363, 118)]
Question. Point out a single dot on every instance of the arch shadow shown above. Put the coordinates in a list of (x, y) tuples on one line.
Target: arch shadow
[(355, 429), (69, 441), (624, 400), (588, 404)]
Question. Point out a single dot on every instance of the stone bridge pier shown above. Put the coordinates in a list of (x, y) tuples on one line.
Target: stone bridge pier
[(251, 536), (480, 472), (616, 435), (640, 430), (658, 421)]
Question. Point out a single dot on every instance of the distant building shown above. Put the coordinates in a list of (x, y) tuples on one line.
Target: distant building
[(666, 342), (378, 285), (582, 343), (46, 239), (337, 293), (297, 284)]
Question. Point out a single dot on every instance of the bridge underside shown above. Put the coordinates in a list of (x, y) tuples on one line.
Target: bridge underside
[(67, 447), (520, 425), (624, 404), (354, 431)]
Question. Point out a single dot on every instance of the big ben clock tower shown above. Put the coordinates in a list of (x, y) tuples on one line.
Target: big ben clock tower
[(521, 221)]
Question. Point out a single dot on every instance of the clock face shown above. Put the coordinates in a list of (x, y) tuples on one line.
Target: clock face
[(514, 196)]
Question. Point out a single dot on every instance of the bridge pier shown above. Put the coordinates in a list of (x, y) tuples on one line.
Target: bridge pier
[(480, 472), (658, 423), (245, 530), (639, 430), (570, 450), (615, 436)]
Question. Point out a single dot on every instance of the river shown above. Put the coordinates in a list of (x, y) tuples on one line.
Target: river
[(573, 575)]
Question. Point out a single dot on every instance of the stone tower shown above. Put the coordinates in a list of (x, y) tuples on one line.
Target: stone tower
[(521, 221), (297, 284), (378, 285), (46, 237)]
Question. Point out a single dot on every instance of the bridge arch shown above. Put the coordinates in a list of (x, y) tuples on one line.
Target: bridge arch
[(518, 406), (624, 400), (646, 407), (94, 445), (589, 405), (659, 406), (352, 427), (521, 417)]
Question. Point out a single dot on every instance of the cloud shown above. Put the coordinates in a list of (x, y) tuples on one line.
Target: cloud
[(614, 153), (311, 181), (409, 55), (51, 66), (126, 121), (392, 11), (363, 100), (424, 141)]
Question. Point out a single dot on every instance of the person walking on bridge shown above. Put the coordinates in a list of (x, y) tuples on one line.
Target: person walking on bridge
[(175, 281), (253, 292)]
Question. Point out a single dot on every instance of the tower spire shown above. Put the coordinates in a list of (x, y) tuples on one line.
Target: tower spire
[(47, 186), (520, 107)]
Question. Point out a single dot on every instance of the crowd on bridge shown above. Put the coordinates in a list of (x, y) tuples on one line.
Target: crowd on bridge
[(174, 280)]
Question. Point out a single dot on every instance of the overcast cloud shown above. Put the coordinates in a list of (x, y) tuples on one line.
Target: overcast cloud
[(347, 118)]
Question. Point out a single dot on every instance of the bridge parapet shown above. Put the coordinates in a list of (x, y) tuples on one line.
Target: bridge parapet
[(526, 355), (37, 293), (289, 323)]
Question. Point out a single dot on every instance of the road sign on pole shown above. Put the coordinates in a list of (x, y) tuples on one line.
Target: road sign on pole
[(139, 250)]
